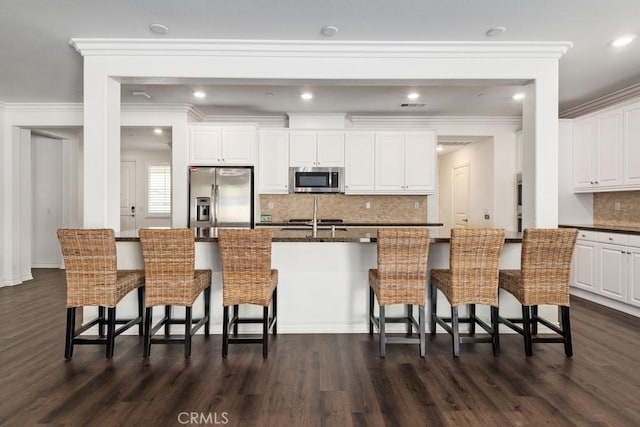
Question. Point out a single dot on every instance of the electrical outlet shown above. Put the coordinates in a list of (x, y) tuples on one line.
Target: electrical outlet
[(367, 205), (616, 206), (416, 205), (270, 205)]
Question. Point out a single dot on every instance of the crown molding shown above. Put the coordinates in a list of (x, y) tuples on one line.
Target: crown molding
[(156, 108), (316, 48), (66, 107), (3, 106), (602, 102), (430, 121), (261, 121)]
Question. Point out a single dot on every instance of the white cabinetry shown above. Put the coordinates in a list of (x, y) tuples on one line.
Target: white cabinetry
[(608, 264), (359, 162), (316, 148), (632, 145), (220, 145), (405, 162), (274, 162)]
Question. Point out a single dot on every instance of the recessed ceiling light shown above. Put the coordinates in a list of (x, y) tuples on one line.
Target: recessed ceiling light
[(495, 31), (413, 95), (329, 30), (306, 96), (518, 96), (159, 29), (623, 40), (439, 147), (199, 94), (157, 131)]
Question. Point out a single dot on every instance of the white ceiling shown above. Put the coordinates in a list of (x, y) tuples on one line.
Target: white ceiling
[(38, 65)]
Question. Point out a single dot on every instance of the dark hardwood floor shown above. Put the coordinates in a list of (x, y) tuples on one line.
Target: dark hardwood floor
[(309, 380)]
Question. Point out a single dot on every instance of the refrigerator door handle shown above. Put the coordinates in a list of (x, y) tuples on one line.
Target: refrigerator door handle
[(216, 207)]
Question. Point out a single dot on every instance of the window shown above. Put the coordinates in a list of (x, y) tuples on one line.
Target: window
[(159, 190)]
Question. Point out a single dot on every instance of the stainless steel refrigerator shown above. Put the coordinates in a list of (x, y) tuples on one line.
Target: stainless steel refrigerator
[(221, 197)]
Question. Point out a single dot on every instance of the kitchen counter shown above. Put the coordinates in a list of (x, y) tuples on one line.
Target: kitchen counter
[(608, 228)]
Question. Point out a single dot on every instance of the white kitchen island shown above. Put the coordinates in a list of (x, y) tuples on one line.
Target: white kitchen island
[(323, 281)]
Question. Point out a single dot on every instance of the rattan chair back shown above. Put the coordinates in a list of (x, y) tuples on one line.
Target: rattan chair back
[(402, 265)]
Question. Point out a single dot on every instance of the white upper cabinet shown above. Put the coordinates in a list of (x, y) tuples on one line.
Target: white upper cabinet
[(359, 162), (405, 162), (609, 154), (222, 145), (632, 145), (316, 148), (274, 162)]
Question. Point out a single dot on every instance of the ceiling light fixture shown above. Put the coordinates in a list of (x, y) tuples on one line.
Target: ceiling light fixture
[(439, 147), (413, 95), (518, 96), (329, 30), (157, 131), (159, 28), (495, 31), (623, 40), (141, 93), (199, 94), (306, 96)]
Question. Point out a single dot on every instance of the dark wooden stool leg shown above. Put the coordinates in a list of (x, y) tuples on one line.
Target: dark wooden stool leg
[(187, 332), (147, 332), (236, 313), (409, 316), (167, 314), (207, 309), (495, 327), (472, 316), (434, 302), (421, 332), (371, 297), (141, 310), (225, 331), (455, 331), (71, 327), (383, 341), (101, 321), (275, 311), (111, 331), (566, 331), (526, 327), (534, 320), (265, 332)]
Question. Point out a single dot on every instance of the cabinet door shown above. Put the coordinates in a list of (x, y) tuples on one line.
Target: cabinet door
[(237, 145), (612, 280), (584, 272), (634, 276), (204, 146), (302, 148), (274, 162), (330, 149), (359, 162), (389, 173), (632, 144), (419, 164), (609, 155), (583, 143)]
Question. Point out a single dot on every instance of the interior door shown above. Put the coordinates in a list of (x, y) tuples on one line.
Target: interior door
[(127, 195), (461, 196)]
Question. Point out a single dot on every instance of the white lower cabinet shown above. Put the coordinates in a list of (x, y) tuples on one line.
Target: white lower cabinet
[(608, 264)]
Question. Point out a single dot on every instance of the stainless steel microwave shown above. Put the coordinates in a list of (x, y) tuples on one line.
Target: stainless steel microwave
[(316, 180)]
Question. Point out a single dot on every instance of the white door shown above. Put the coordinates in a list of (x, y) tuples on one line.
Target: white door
[(302, 149), (634, 276), (127, 196), (359, 162), (274, 162), (419, 154), (46, 166), (461, 196), (585, 263), (612, 280), (330, 149), (389, 160), (610, 156)]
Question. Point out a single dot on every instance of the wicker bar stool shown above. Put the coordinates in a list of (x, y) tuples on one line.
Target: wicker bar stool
[(401, 278), (472, 278), (545, 263), (93, 280), (247, 278), (171, 279)]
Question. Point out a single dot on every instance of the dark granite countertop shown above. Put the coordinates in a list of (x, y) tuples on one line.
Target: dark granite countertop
[(608, 228), (354, 224), (353, 235)]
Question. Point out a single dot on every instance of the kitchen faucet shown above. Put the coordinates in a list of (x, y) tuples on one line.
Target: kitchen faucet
[(314, 221)]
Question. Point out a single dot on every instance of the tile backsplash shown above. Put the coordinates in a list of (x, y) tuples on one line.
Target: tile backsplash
[(350, 208), (604, 211)]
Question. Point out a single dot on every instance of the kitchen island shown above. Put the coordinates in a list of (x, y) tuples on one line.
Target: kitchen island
[(323, 280)]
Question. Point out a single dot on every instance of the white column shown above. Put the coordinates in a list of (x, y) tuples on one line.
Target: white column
[(101, 147), (5, 198), (179, 175)]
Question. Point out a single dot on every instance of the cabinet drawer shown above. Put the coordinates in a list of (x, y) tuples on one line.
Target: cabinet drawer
[(588, 235), (634, 240), (613, 238)]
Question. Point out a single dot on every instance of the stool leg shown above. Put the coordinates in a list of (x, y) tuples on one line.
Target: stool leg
[(265, 331), (187, 332), (236, 313), (409, 317), (495, 326), (472, 316), (434, 302), (111, 331), (526, 327), (275, 311), (167, 315), (71, 326), (101, 321), (147, 332), (141, 310), (566, 331), (371, 297), (207, 309), (382, 333), (225, 331), (534, 320), (455, 331), (421, 332)]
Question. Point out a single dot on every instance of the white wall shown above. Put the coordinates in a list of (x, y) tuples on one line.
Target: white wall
[(479, 156), (572, 208)]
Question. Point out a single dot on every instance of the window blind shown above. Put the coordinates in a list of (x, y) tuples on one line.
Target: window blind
[(159, 189)]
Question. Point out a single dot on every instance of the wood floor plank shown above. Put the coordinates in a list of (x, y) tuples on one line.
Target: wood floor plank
[(312, 380)]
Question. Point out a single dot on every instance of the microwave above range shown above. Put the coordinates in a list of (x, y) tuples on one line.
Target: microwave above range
[(316, 180)]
